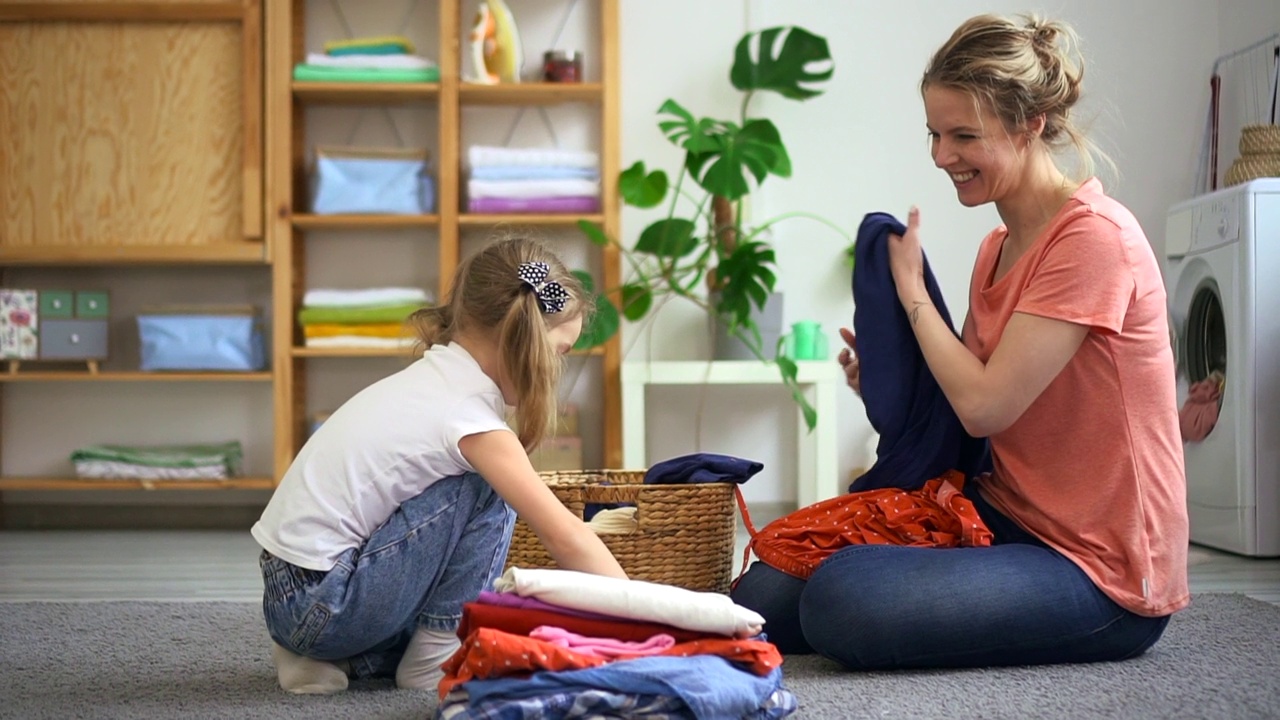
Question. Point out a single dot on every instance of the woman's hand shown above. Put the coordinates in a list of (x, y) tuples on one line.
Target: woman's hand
[(848, 359), (906, 261)]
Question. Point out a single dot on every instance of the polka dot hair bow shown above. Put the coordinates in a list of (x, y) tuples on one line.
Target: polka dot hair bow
[(551, 296)]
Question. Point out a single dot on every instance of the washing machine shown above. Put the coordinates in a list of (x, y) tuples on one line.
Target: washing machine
[(1222, 270)]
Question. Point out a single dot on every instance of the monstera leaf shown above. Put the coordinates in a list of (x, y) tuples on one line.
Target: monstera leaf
[(755, 149), (801, 62), (605, 321)]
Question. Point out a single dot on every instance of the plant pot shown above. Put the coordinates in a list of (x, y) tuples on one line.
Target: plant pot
[(768, 320)]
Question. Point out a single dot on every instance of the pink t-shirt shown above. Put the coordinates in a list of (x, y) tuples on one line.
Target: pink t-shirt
[(1094, 466)]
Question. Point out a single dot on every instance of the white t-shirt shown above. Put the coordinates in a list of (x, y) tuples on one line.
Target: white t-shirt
[(382, 447)]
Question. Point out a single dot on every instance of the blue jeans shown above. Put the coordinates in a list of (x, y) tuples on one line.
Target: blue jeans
[(1018, 602), (436, 552)]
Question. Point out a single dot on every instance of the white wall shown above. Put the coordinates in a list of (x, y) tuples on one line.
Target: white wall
[(862, 148)]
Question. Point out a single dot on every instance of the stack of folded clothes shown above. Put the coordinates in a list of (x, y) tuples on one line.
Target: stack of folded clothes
[(162, 462), (531, 180), (558, 643), (387, 59), (369, 318)]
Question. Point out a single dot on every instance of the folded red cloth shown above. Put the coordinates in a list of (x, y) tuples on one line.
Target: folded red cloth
[(522, 621)]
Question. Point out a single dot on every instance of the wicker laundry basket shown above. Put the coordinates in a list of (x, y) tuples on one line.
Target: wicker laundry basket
[(684, 534)]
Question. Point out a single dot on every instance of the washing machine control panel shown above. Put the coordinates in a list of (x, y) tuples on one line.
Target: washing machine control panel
[(1216, 223)]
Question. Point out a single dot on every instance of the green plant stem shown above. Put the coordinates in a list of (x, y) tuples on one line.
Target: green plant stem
[(799, 214)]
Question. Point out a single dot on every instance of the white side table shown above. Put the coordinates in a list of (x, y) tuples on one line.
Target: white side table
[(817, 476)]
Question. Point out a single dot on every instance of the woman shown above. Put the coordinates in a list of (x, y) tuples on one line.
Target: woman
[(1064, 364)]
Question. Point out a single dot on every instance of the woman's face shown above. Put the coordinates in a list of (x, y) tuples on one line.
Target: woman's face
[(968, 141)]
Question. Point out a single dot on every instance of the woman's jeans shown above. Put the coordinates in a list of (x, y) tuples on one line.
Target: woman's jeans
[(436, 552), (1018, 602)]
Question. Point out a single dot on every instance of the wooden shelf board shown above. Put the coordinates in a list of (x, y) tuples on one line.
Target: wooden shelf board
[(231, 253), (312, 352), (325, 222), (33, 483), (360, 93), (530, 93), (131, 376), (324, 352), (120, 11), (524, 219)]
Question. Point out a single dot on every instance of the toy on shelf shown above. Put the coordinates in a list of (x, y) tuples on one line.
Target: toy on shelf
[(496, 56), (53, 325)]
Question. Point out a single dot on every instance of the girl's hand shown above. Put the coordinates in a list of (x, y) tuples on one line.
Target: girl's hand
[(906, 260), (848, 359)]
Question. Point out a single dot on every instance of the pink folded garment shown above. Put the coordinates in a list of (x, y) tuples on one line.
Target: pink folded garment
[(512, 600), (1199, 414), (574, 204), (601, 647)]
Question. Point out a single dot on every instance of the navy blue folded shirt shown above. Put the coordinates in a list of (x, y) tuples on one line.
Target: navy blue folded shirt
[(702, 468), (920, 435)]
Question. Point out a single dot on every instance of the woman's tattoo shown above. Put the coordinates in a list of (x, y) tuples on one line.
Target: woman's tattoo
[(915, 311)]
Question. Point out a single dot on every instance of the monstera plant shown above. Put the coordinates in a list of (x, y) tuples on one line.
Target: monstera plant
[(703, 250)]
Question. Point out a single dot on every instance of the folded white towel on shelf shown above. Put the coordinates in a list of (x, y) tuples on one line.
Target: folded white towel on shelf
[(633, 599), (479, 155), (388, 62), (520, 189), (360, 341), (326, 297)]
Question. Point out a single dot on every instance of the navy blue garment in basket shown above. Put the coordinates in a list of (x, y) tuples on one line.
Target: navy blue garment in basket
[(702, 468), (920, 435)]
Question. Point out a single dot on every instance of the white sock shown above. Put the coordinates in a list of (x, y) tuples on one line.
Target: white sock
[(307, 676), (428, 649)]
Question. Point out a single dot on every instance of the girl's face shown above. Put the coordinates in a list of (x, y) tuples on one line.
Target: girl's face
[(968, 141), (564, 335)]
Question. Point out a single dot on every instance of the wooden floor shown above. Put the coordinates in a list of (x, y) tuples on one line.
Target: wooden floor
[(222, 565)]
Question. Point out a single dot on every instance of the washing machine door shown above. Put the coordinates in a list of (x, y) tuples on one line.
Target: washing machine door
[(1202, 314)]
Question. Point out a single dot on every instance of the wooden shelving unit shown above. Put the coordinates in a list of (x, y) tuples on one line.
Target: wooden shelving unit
[(229, 188), (289, 224)]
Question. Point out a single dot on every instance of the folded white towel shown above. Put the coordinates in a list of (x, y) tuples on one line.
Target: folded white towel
[(387, 62), (520, 189), (323, 297), (480, 155), (360, 341), (634, 600)]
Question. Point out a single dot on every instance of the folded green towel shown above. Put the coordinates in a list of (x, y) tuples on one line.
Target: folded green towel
[(320, 73), (355, 314), (228, 454)]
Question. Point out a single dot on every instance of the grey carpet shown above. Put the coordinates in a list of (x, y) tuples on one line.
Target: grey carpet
[(1218, 659)]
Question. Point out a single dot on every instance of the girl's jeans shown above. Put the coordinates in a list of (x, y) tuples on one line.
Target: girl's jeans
[(436, 552), (1018, 602)]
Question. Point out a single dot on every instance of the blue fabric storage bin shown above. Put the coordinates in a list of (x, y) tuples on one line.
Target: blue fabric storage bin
[(372, 181), (201, 342)]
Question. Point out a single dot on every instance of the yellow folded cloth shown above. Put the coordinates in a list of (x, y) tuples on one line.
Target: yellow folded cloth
[(383, 330), (365, 42)]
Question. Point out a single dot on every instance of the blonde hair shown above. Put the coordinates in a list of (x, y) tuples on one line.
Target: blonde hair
[(1020, 71), (488, 298)]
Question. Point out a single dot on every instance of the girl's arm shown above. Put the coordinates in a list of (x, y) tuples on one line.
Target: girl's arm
[(501, 460)]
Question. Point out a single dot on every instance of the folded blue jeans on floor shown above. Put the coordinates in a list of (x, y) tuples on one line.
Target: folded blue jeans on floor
[(436, 552)]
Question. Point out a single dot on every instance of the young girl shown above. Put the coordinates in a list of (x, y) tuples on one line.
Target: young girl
[(399, 508)]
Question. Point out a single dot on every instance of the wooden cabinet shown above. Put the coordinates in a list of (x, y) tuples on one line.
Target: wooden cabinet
[(446, 235), (131, 158)]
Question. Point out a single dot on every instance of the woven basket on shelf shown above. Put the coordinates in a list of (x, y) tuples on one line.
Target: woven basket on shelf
[(1259, 155), (684, 534)]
